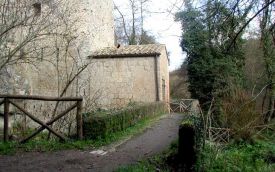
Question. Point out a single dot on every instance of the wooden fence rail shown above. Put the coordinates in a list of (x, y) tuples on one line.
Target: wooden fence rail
[(221, 135), (7, 101), (181, 105)]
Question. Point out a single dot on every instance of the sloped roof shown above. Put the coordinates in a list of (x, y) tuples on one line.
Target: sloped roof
[(129, 51)]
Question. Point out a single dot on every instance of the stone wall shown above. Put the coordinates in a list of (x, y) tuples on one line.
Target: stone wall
[(108, 82), (94, 25), (90, 26), (89, 23), (124, 80)]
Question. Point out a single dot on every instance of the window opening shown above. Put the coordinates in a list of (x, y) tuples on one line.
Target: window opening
[(37, 8)]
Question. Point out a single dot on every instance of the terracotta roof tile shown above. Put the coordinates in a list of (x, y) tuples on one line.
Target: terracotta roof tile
[(129, 51)]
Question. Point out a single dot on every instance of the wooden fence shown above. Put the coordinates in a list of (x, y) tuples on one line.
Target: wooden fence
[(8, 100), (183, 105), (180, 105), (221, 135)]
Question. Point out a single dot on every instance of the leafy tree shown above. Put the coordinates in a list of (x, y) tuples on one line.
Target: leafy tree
[(212, 68)]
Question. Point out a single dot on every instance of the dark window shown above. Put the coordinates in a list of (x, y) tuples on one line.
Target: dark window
[(37, 8), (42, 54)]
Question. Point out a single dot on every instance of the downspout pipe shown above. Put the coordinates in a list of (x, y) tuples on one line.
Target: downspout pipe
[(157, 77)]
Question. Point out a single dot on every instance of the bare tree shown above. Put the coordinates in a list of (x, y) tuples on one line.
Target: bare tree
[(42, 37), (130, 23)]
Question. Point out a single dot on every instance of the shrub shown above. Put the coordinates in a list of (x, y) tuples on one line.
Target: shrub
[(100, 124), (240, 115)]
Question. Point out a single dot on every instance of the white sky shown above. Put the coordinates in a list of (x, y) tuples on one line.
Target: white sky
[(161, 24)]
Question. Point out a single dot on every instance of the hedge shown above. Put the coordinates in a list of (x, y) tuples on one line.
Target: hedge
[(190, 141), (100, 124)]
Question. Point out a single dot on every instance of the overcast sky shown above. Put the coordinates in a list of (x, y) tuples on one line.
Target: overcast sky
[(160, 22)]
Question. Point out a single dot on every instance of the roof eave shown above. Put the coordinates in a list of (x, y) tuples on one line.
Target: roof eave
[(124, 55)]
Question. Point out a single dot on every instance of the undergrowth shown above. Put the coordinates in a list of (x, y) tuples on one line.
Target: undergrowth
[(240, 157)]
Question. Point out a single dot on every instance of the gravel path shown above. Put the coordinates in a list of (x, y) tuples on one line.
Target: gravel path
[(154, 140)]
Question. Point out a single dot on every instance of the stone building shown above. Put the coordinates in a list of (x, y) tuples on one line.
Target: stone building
[(113, 77), (135, 73), (90, 25)]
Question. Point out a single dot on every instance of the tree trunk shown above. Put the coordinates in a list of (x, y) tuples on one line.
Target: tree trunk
[(269, 54)]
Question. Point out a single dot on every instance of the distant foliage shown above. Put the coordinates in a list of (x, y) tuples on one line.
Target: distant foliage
[(179, 84)]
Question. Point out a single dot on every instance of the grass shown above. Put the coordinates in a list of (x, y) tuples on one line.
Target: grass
[(10, 148), (143, 166), (240, 157)]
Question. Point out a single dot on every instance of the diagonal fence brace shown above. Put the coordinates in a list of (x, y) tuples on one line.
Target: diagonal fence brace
[(49, 123), (63, 138)]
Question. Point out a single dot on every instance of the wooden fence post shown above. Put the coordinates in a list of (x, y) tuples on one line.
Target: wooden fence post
[(79, 120), (6, 119)]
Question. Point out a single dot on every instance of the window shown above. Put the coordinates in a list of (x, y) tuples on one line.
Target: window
[(42, 54), (22, 54), (37, 8)]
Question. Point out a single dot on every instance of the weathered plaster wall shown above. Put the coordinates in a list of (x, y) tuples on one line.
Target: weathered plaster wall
[(112, 82), (106, 83), (90, 22), (124, 80), (94, 24)]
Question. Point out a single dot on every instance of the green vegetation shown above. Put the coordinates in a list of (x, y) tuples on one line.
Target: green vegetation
[(212, 65), (232, 76), (195, 123), (100, 124), (191, 141), (218, 59), (45, 146), (243, 157), (144, 166)]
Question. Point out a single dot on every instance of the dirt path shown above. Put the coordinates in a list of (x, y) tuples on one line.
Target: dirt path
[(152, 141)]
